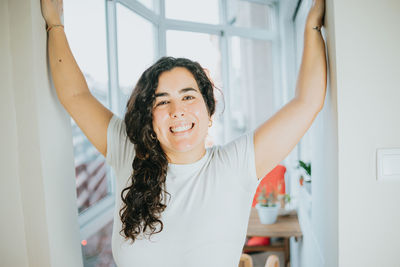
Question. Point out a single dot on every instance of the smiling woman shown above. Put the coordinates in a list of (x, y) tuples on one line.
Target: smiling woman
[(180, 116), (171, 187), (169, 96), (178, 187)]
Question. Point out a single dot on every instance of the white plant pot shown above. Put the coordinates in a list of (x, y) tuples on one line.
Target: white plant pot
[(267, 215)]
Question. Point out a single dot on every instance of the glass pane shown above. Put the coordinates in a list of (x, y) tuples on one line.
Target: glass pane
[(136, 49), (205, 49), (205, 11), (251, 84), (97, 248), (150, 4), (90, 51), (244, 13)]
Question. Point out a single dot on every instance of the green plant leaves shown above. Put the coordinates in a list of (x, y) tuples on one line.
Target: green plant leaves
[(305, 166)]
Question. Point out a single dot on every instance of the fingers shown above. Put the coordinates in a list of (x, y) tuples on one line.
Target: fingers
[(317, 12), (51, 11), (60, 7)]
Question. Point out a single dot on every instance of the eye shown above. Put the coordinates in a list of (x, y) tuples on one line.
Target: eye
[(188, 97), (162, 103)]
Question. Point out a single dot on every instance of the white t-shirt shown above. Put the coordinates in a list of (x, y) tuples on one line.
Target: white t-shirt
[(206, 218)]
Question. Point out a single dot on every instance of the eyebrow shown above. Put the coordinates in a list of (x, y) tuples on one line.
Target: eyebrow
[(182, 91)]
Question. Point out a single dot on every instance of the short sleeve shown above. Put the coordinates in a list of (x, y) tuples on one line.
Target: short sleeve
[(120, 150), (240, 157)]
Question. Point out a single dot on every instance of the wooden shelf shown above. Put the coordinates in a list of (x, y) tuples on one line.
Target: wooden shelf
[(276, 246), (285, 226)]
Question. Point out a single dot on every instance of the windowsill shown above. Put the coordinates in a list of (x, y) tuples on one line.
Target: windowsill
[(96, 217)]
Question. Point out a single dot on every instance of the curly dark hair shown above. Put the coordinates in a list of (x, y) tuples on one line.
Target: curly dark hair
[(143, 201)]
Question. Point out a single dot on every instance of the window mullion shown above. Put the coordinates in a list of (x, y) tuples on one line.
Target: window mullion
[(141, 10), (258, 34), (264, 2), (276, 54), (179, 25), (112, 54), (224, 46), (162, 31), (182, 25)]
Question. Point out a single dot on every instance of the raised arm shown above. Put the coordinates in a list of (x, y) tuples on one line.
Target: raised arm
[(276, 137), (72, 90)]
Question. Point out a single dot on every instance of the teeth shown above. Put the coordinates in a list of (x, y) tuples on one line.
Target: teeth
[(181, 128)]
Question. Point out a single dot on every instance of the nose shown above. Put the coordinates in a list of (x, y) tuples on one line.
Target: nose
[(176, 110)]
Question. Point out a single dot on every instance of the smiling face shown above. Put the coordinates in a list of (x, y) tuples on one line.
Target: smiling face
[(180, 116)]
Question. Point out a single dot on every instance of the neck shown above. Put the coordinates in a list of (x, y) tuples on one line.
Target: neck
[(185, 157)]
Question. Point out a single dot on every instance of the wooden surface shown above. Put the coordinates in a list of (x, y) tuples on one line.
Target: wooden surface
[(285, 226), (245, 260)]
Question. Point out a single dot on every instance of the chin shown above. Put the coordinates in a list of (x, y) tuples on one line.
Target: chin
[(182, 148), (184, 143)]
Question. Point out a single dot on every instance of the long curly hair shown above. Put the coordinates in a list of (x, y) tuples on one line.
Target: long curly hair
[(143, 199)]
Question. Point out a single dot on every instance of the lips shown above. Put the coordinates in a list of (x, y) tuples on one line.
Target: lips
[(181, 127)]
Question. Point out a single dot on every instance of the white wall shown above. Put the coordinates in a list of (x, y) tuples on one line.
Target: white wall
[(13, 246), (39, 225), (368, 105)]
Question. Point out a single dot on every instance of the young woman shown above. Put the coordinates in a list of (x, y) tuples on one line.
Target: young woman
[(180, 204)]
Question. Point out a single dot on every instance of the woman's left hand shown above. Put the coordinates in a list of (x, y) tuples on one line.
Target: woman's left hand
[(52, 11), (316, 13)]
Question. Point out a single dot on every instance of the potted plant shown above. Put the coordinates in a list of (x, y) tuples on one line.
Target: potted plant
[(305, 177), (267, 206)]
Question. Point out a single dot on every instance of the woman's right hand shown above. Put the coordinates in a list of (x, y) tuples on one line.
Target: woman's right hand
[(52, 11), (316, 13)]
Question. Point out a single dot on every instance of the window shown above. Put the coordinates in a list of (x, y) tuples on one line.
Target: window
[(150, 4), (94, 183), (97, 248), (136, 50), (249, 14), (92, 176), (205, 11), (251, 83)]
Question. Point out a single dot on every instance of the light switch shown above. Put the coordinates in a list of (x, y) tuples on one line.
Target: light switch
[(388, 164)]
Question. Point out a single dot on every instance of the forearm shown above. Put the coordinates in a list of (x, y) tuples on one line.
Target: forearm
[(311, 81), (67, 77)]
